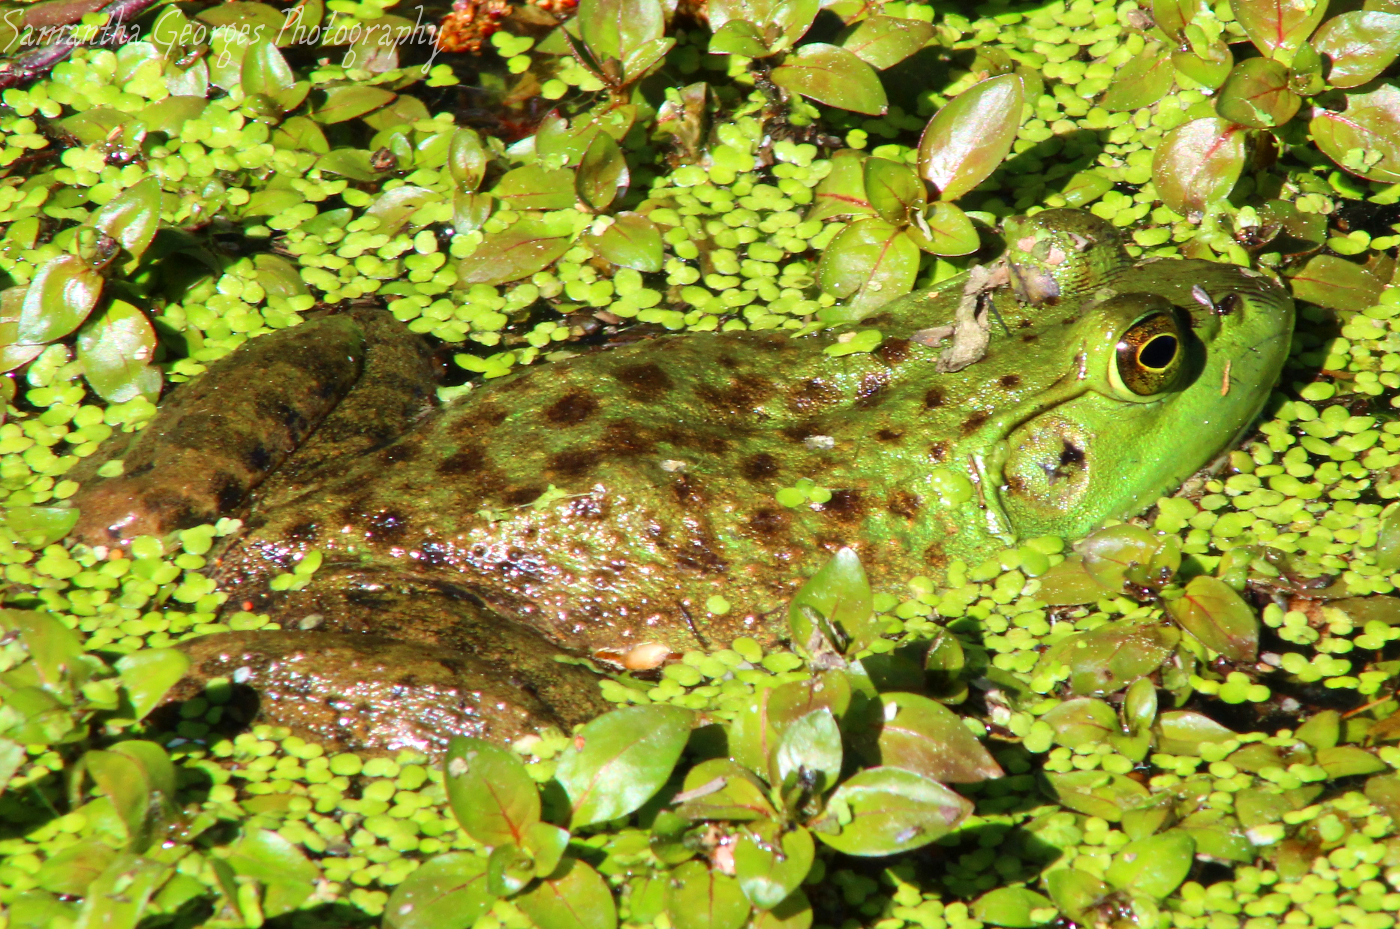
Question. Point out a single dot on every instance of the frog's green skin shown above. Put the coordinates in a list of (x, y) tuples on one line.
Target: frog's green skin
[(665, 457)]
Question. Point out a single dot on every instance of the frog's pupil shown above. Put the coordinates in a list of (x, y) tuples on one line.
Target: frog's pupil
[(1158, 353)]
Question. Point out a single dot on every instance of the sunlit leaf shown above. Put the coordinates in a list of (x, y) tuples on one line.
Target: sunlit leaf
[(966, 140), (40, 525), (346, 101), (520, 251), (621, 759), (602, 175), (834, 76), (1211, 611), (1197, 163), (724, 789), (118, 898), (534, 187), (1365, 137), (868, 264), (1257, 94), (632, 241), (147, 675), (490, 791), (893, 189), (739, 37), (1210, 68), (839, 592), (890, 811), (133, 216), (1182, 732), (1142, 81), (116, 349), (573, 897), (1154, 866), (1348, 761), (1275, 26), (1096, 793), (945, 231), (702, 898), (1013, 907), (446, 892), (884, 41), (842, 191), (1081, 722), (1360, 45), (467, 159), (265, 71), (810, 744), (612, 28), (923, 736), (771, 863), (58, 300), (1173, 16), (1076, 893), (1337, 284)]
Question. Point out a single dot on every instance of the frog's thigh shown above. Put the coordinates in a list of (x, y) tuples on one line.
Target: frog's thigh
[(397, 387), (364, 693), (215, 439)]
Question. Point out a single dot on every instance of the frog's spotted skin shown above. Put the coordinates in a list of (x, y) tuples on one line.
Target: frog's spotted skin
[(665, 456)]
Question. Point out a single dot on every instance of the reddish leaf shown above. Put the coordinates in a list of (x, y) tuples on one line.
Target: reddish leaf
[(1365, 138), (57, 300), (1360, 44), (884, 41), (517, 252), (1211, 611), (967, 139), (1278, 25), (870, 263), (1198, 163), (1141, 82), (842, 192), (1256, 94), (632, 241), (1173, 16), (116, 349), (833, 76), (1337, 284)]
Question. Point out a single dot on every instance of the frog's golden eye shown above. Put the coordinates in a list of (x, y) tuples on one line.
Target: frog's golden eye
[(1149, 355)]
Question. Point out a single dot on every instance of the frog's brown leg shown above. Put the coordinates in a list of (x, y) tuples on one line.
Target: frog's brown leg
[(394, 391), (216, 439), (534, 679), (370, 694)]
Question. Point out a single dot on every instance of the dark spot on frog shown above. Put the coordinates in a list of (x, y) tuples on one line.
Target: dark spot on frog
[(934, 398), (259, 457), (934, 557), (727, 361), (938, 451), (845, 505), (399, 453), (889, 435), (466, 424), (1029, 337), (687, 492), (811, 395), (1227, 304), (1010, 380), (742, 395), (903, 503), (647, 381), (228, 491), (802, 431), (576, 462), (871, 391), (627, 440), (467, 461), (387, 525), (759, 467), (975, 422), (305, 531), (893, 351), (433, 555), (520, 496), (572, 408), (769, 522), (1071, 460)]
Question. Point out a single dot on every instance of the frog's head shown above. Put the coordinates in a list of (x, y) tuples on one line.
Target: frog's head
[(1170, 361)]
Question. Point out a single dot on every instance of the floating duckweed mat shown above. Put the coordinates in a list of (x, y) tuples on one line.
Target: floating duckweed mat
[(248, 184)]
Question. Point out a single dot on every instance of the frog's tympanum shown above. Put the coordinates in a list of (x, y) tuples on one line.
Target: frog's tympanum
[(591, 507)]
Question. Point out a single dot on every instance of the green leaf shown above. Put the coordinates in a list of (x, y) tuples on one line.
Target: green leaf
[(621, 759), (613, 28), (770, 863), (1081, 721), (868, 264), (1212, 612), (643, 59), (534, 187), (602, 175), (47, 524), (966, 140), (793, 913), (396, 208), (1142, 81), (116, 348), (1209, 68), (1076, 893), (1365, 138), (1348, 761), (265, 71), (1360, 44), (704, 899), (839, 592), (446, 892), (347, 101), (54, 648), (574, 897), (1173, 16), (467, 159), (547, 843), (793, 18), (1096, 793), (893, 189), (1120, 556), (884, 811), (1337, 284), (842, 191), (133, 216), (884, 41), (267, 856), (520, 251), (348, 162), (739, 37), (1257, 94), (1277, 28), (1182, 732), (130, 782), (1154, 866), (508, 869), (120, 895), (1069, 583), (58, 300), (811, 745), (723, 789), (923, 736), (1197, 163), (945, 230), (833, 76), (491, 793), (1013, 907), (73, 869), (632, 241), (147, 676)]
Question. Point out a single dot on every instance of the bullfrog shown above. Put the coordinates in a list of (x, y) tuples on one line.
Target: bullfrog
[(482, 558)]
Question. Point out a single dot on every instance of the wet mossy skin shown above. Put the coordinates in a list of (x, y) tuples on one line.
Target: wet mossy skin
[(662, 458)]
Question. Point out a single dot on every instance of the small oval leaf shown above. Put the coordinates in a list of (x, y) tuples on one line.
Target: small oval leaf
[(490, 791), (1197, 164), (966, 140), (834, 76), (621, 759), (1212, 612)]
